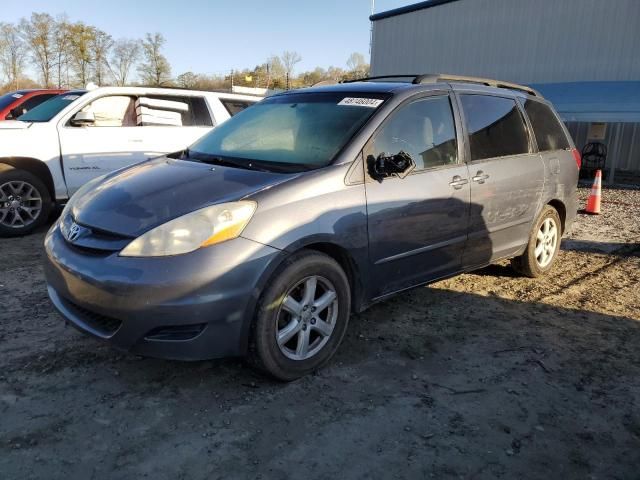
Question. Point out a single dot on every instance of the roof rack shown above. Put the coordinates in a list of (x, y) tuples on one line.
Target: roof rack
[(440, 77)]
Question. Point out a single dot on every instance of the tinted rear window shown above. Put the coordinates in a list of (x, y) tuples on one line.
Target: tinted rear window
[(546, 127), (495, 126)]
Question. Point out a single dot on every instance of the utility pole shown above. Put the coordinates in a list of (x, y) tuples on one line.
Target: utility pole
[(232, 79)]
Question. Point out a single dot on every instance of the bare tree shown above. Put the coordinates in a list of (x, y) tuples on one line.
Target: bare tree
[(124, 55), (39, 34), (62, 46), (101, 44), (82, 36), (356, 62), (155, 69), (12, 54), (289, 61)]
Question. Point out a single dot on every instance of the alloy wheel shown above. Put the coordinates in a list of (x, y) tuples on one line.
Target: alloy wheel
[(306, 318), (546, 242), (20, 204)]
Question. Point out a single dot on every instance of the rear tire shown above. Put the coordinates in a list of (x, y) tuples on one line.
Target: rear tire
[(25, 202), (543, 246), (302, 316)]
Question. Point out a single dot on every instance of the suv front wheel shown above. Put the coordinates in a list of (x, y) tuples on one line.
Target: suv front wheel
[(543, 246), (25, 203), (302, 316)]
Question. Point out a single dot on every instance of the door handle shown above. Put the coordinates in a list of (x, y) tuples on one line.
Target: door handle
[(457, 182), (480, 177)]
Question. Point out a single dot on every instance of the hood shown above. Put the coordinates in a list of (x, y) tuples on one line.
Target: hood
[(14, 125), (137, 199)]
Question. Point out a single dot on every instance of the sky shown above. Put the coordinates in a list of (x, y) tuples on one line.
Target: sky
[(215, 36)]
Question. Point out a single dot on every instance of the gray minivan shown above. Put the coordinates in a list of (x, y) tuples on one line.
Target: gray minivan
[(267, 233)]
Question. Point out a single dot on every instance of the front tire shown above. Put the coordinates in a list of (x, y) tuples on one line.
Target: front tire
[(301, 317), (543, 246), (25, 202)]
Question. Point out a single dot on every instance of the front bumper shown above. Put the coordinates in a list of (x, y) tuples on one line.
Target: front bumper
[(189, 307)]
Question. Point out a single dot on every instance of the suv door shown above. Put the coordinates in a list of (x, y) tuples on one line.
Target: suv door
[(417, 226), (113, 141), (507, 178), (129, 130)]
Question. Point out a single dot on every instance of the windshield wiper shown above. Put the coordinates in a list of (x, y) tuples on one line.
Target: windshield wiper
[(225, 161)]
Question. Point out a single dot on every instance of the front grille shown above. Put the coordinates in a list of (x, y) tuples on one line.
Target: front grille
[(105, 326), (91, 239)]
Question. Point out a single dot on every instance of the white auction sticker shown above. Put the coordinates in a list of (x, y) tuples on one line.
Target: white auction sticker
[(17, 95), (361, 102), (70, 97)]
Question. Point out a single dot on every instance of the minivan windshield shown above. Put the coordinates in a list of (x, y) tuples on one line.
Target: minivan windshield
[(293, 132), (49, 109)]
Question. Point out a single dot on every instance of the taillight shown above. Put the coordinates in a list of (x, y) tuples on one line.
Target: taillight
[(577, 157)]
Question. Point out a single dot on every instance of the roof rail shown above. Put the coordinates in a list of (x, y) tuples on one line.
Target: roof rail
[(379, 77), (443, 77)]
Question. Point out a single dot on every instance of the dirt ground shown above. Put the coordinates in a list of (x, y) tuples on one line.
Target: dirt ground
[(481, 376)]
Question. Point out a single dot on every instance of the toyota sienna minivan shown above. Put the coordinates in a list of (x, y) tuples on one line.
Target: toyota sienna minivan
[(265, 235)]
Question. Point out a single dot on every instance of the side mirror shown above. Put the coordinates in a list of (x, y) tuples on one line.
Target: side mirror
[(82, 119), (400, 165)]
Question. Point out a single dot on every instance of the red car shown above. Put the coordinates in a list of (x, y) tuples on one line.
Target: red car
[(14, 104)]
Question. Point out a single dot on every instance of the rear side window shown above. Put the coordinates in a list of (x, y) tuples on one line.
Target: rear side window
[(156, 110), (546, 127), (235, 106), (495, 126)]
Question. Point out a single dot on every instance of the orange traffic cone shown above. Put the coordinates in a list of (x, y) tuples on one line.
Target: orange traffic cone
[(593, 202)]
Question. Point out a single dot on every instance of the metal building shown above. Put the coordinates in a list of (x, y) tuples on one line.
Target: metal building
[(583, 55)]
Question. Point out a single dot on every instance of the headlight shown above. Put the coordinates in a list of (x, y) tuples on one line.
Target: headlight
[(194, 230)]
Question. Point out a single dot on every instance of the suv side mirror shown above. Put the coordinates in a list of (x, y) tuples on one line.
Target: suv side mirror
[(401, 164), (82, 119)]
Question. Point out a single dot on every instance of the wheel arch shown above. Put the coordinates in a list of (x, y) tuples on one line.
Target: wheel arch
[(35, 167), (348, 264), (562, 211)]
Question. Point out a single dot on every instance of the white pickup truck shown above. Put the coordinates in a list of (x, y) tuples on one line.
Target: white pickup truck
[(54, 149)]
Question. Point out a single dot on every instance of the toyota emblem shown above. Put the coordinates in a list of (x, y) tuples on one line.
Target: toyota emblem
[(74, 232)]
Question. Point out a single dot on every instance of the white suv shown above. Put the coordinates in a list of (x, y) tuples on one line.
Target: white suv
[(54, 149)]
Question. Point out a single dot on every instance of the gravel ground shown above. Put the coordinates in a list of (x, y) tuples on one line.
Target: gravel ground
[(480, 376)]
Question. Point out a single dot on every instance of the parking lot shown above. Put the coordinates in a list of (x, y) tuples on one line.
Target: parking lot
[(483, 375)]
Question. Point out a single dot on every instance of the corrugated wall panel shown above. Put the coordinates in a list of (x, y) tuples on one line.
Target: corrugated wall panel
[(518, 40)]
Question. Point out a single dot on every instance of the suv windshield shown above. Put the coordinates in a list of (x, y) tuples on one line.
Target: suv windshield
[(292, 132), (49, 109)]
